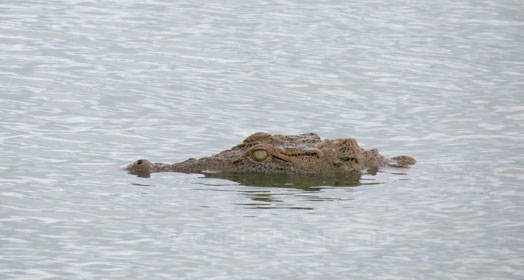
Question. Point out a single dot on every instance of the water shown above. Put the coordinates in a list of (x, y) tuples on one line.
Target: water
[(87, 87)]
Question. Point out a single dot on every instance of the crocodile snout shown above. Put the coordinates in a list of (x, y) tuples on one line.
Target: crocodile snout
[(141, 168)]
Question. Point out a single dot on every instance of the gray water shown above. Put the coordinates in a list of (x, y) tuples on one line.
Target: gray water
[(87, 87)]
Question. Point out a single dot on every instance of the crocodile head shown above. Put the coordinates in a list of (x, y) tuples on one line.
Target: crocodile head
[(301, 154), (263, 153)]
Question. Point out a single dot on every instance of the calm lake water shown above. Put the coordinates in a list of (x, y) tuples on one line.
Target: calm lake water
[(87, 87)]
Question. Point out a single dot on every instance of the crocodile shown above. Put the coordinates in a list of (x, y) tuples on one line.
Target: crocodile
[(263, 153)]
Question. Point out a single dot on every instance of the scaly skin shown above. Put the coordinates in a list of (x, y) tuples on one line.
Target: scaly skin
[(262, 153)]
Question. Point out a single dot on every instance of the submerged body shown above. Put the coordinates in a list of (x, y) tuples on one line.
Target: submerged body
[(263, 153)]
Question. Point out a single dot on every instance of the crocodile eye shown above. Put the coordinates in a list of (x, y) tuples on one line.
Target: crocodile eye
[(139, 161), (259, 155)]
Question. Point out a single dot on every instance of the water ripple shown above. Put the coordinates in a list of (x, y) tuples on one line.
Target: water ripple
[(87, 87)]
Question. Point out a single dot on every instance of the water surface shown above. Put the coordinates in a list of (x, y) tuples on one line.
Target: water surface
[(87, 87)]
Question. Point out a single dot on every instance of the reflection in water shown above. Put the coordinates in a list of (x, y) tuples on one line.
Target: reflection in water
[(306, 183), (266, 199)]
